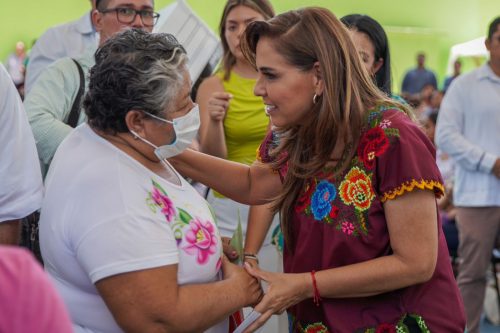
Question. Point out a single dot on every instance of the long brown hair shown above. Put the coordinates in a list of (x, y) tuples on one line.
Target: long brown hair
[(304, 37), (263, 7)]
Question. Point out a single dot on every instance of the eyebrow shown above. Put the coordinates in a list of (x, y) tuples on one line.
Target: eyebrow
[(266, 69), (132, 5), (245, 21)]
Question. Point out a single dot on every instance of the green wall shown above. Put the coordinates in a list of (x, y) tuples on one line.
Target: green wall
[(432, 26)]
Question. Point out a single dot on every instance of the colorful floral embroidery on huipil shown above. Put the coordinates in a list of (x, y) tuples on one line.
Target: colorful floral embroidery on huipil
[(356, 189), (296, 326), (399, 327), (200, 235), (344, 202)]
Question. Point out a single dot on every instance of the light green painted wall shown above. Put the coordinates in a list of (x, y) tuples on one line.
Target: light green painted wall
[(432, 26)]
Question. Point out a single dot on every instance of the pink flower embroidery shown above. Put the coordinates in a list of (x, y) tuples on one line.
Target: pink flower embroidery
[(385, 124), (164, 202), (202, 240), (347, 227)]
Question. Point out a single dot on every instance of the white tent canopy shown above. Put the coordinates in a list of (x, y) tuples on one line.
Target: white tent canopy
[(472, 48)]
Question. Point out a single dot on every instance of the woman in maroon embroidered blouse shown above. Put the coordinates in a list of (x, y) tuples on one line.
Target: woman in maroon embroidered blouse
[(355, 181)]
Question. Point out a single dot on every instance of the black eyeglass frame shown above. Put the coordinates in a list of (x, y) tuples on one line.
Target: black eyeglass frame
[(141, 12)]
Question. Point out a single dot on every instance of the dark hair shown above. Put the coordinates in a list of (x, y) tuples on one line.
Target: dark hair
[(305, 37), (134, 70), (378, 37), (263, 7), (493, 26), (101, 4)]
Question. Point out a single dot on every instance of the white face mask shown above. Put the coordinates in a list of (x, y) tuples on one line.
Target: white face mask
[(185, 128)]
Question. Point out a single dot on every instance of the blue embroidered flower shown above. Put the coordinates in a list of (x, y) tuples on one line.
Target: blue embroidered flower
[(321, 199)]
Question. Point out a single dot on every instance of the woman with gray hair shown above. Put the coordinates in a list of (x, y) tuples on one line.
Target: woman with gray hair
[(130, 244)]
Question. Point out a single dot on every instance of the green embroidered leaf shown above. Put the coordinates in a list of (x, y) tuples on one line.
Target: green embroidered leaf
[(158, 186), (151, 204), (184, 216), (391, 132)]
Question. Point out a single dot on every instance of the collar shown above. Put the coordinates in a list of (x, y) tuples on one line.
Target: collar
[(84, 24), (485, 72)]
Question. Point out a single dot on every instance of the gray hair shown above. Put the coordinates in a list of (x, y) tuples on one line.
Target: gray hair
[(134, 70)]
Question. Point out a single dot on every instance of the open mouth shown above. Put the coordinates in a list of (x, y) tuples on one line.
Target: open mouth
[(269, 109)]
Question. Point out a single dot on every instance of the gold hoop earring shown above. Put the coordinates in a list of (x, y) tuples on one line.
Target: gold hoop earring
[(315, 98)]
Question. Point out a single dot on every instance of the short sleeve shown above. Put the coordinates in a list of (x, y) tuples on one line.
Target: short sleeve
[(126, 244), (409, 159), (21, 188)]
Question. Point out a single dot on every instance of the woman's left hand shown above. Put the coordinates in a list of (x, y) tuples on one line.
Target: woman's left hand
[(283, 291)]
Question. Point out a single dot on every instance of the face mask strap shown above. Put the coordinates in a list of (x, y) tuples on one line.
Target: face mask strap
[(142, 139), (158, 118)]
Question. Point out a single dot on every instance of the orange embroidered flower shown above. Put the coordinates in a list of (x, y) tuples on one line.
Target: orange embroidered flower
[(356, 189)]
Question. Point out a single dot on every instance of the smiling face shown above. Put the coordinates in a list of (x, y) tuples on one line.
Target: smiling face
[(237, 20), (286, 90), (366, 51)]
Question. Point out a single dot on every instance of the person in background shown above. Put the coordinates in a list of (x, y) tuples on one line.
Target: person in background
[(416, 79), (29, 302), (21, 188), (52, 97), (67, 40), (468, 129), (15, 67), (130, 245), (457, 70), (373, 47), (355, 181)]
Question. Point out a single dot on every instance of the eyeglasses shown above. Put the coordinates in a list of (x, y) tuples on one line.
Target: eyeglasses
[(127, 15)]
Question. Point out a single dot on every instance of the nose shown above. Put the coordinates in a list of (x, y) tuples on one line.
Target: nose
[(137, 23), (259, 89)]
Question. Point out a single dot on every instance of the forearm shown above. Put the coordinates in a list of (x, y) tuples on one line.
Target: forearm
[(371, 277), (213, 141), (259, 220), (10, 232), (215, 301), (237, 181)]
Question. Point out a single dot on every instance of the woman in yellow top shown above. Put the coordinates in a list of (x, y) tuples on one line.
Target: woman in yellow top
[(234, 122)]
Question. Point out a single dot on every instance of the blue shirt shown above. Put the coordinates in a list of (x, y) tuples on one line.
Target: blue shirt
[(468, 129), (416, 79), (66, 40)]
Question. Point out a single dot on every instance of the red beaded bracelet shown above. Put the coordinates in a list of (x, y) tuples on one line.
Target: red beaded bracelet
[(316, 297)]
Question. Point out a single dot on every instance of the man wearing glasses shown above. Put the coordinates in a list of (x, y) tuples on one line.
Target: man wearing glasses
[(53, 95)]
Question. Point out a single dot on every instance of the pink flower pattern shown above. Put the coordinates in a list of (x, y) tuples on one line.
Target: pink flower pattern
[(202, 240), (164, 202), (386, 123), (347, 227)]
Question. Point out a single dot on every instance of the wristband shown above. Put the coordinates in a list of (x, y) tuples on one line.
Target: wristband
[(251, 256), (316, 297)]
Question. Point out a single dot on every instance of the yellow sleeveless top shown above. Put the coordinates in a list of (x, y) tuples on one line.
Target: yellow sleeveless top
[(246, 123)]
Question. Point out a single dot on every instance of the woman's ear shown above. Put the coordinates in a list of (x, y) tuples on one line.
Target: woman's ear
[(134, 120), (318, 81)]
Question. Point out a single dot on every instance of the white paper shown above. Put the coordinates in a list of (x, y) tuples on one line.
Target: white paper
[(201, 43), (253, 316)]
